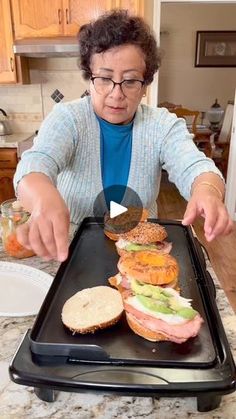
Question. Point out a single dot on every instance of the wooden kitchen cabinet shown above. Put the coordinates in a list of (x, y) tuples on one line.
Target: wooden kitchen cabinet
[(7, 60), (48, 18), (12, 69), (37, 18), (8, 163), (78, 12), (134, 6)]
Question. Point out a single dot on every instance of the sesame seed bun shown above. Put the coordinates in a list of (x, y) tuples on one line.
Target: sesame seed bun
[(123, 222), (145, 233), (92, 309)]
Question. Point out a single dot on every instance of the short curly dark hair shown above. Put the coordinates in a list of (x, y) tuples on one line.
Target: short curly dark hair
[(116, 28)]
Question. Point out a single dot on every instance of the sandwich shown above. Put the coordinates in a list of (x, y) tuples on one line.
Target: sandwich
[(145, 236), (114, 227), (160, 314), (154, 309), (92, 309), (147, 267)]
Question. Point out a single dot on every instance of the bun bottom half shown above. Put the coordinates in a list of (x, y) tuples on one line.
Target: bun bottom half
[(142, 331), (114, 283)]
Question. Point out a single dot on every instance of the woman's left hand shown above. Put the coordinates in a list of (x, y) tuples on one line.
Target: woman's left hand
[(208, 205)]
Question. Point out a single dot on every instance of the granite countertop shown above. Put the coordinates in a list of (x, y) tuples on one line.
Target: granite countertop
[(20, 402)]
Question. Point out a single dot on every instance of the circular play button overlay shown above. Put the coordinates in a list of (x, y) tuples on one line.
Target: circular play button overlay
[(121, 208)]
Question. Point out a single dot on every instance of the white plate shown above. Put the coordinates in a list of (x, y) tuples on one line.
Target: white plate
[(22, 289)]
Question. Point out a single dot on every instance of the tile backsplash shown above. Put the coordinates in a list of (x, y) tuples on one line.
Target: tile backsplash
[(53, 80)]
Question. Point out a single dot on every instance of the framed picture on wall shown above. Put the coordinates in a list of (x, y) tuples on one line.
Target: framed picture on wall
[(215, 49)]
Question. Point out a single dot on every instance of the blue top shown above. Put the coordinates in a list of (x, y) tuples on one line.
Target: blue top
[(116, 147)]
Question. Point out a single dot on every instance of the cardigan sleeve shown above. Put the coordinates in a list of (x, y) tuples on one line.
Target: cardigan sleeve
[(180, 157), (53, 147)]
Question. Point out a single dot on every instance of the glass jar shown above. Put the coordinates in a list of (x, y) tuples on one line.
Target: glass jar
[(12, 215)]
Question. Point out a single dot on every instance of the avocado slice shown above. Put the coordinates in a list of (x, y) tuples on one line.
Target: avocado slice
[(158, 300), (187, 313), (148, 290), (132, 247), (153, 305)]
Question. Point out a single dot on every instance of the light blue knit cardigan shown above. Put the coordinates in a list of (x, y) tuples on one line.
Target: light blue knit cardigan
[(67, 149)]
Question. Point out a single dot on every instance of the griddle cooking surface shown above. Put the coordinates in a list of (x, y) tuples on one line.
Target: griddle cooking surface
[(92, 260)]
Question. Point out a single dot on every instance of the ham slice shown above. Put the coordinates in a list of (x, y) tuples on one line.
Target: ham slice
[(163, 247), (125, 283), (175, 332)]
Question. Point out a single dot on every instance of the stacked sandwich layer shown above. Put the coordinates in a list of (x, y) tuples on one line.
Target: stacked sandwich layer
[(147, 280)]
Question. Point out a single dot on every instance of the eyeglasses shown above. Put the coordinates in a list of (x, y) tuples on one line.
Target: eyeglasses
[(105, 85)]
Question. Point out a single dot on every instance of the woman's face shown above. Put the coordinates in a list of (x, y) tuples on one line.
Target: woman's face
[(124, 62)]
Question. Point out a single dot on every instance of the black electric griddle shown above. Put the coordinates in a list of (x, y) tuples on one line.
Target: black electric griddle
[(116, 358)]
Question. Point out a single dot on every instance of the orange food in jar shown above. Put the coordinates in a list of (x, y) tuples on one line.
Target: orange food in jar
[(15, 249), (13, 215)]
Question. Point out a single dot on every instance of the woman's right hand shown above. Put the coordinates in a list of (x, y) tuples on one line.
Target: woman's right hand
[(47, 230)]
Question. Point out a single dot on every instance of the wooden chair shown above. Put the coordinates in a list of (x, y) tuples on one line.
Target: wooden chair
[(220, 141), (190, 117), (168, 105), (202, 137)]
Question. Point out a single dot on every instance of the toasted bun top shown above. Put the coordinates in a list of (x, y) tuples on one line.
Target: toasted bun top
[(92, 308), (112, 236), (145, 233), (149, 267), (125, 221)]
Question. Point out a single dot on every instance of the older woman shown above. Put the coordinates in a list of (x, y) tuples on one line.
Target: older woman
[(109, 138)]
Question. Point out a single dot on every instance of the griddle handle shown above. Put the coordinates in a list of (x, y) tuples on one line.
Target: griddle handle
[(88, 353)]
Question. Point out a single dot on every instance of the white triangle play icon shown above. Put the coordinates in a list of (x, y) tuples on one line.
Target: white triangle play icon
[(116, 209)]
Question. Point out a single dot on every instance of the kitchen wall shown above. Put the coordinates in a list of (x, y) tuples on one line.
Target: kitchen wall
[(27, 105), (179, 81)]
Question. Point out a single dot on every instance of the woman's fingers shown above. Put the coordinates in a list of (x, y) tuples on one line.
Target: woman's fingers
[(46, 240), (45, 231), (61, 233), (217, 220), (36, 241), (190, 214), (220, 224)]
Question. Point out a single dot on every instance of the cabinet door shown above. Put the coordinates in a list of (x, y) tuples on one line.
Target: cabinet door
[(78, 12), (133, 6), (7, 60), (8, 158), (6, 184), (37, 18)]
